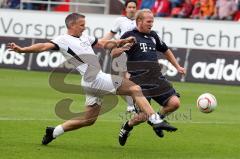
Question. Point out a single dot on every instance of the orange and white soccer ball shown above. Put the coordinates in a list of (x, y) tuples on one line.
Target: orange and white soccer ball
[(206, 102)]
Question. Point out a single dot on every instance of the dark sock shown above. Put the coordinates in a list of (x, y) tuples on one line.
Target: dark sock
[(127, 127), (161, 115)]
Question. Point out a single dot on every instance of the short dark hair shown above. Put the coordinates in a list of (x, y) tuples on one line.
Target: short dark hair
[(129, 1), (72, 18)]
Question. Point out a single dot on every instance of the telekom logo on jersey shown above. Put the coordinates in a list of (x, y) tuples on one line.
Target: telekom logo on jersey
[(143, 47)]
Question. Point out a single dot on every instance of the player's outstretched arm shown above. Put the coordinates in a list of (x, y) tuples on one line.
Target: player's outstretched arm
[(35, 48), (130, 39), (171, 58), (119, 50), (110, 44), (108, 36)]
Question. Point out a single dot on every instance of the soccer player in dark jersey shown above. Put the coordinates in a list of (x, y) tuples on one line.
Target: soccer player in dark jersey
[(146, 71)]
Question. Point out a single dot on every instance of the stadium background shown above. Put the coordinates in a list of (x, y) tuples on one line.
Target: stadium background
[(210, 50)]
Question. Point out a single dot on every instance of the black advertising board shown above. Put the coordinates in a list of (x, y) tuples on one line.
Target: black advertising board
[(10, 59), (171, 73), (203, 66), (210, 66)]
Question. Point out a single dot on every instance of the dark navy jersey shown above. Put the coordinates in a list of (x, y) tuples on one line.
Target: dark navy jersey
[(146, 47), (144, 67)]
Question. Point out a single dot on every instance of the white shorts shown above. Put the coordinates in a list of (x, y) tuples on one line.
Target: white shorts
[(103, 84)]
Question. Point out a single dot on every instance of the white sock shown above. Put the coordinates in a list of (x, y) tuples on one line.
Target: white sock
[(58, 131), (129, 100), (155, 119)]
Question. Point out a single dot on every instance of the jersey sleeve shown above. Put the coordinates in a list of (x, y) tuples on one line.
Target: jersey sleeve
[(59, 43), (56, 47), (126, 35), (160, 45), (116, 26), (93, 41)]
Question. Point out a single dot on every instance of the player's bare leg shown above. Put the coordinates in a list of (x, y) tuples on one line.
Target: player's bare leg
[(172, 105), (89, 118), (133, 90), (130, 88)]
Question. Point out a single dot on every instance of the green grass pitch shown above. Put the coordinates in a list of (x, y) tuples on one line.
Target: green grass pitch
[(27, 104)]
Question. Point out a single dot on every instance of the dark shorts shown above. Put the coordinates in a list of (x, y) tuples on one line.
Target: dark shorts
[(161, 92), (162, 99), (156, 87)]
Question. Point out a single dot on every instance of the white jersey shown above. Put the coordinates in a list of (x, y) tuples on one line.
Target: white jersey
[(79, 52), (122, 25)]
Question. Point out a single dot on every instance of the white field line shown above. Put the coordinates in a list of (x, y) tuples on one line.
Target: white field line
[(119, 120)]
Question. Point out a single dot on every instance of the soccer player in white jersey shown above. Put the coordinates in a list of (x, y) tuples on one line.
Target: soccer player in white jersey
[(122, 25), (78, 47)]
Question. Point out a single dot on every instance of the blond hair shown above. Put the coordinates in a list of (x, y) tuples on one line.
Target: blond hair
[(140, 14)]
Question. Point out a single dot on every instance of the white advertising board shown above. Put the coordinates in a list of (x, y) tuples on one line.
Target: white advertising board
[(180, 33)]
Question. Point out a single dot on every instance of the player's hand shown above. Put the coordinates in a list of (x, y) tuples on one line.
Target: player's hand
[(127, 46), (181, 70), (14, 47), (132, 40), (118, 51)]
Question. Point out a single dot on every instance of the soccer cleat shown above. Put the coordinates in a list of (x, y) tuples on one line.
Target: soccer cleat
[(158, 131), (158, 128), (164, 126), (124, 133), (48, 137)]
